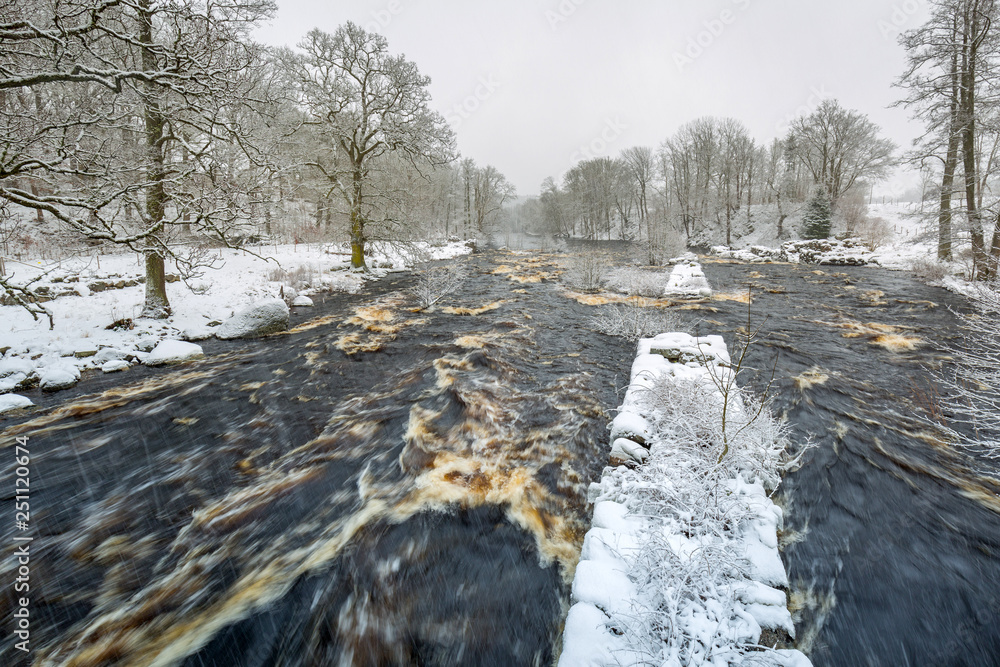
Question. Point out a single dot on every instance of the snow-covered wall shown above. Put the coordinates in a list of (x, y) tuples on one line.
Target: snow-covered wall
[(681, 566)]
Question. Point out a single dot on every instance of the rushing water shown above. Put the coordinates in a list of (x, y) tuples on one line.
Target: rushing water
[(379, 486), (385, 486), (893, 537)]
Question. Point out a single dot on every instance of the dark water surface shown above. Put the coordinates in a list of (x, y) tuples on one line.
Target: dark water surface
[(419, 501), (899, 558), (382, 486)]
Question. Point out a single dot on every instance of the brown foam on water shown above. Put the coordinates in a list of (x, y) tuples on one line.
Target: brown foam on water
[(606, 298), (811, 378), (180, 383), (473, 312), (379, 324), (310, 325), (529, 270), (477, 435), (887, 336), (737, 297)]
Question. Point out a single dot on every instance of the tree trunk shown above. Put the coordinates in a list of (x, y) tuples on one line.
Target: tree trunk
[(39, 214), (993, 264), (357, 225), (967, 112), (947, 191), (156, 305)]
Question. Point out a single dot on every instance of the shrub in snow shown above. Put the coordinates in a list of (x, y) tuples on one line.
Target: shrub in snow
[(637, 282), (173, 352), (10, 402), (434, 284), (632, 321), (874, 232), (587, 271), (260, 319), (928, 270), (971, 381)]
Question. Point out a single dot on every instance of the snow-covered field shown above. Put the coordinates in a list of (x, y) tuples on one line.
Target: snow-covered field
[(95, 292), (681, 566)]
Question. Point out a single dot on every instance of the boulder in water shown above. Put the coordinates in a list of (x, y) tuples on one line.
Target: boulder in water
[(260, 319)]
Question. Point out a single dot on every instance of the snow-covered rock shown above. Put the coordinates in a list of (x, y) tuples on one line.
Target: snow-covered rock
[(260, 319), (624, 450), (58, 377), (681, 348), (109, 354), (10, 402), (302, 302), (14, 365), (173, 352), (146, 343), (829, 252), (115, 365), (12, 382), (687, 279), (197, 333), (630, 425)]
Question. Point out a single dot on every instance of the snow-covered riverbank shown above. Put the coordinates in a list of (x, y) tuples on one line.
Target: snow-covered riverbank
[(88, 295), (681, 566)]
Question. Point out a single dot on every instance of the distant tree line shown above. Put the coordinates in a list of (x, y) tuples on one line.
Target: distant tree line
[(703, 183)]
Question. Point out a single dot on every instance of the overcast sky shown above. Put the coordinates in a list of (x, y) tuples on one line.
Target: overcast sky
[(531, 86)]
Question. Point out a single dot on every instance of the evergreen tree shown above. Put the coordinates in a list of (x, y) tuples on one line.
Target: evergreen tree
[(816, 222)]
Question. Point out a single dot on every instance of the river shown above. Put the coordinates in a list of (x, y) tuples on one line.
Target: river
[(388, 486)]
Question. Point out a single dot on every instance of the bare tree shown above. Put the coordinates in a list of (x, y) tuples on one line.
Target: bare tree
[(641, 167), (491, 192), (113, 114), (840, 148), (369, 104)]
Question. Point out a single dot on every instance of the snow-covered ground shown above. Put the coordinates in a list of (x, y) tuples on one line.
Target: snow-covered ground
[(95, 292), (681, 566)]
